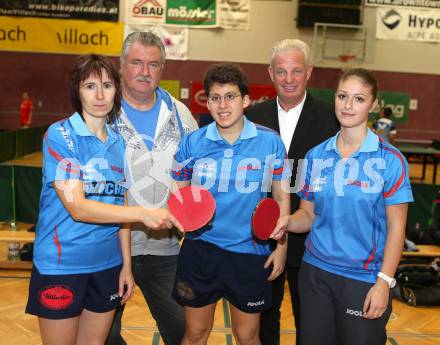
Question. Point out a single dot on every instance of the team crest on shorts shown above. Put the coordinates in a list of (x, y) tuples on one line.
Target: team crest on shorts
[(56, 297), (184, 290)]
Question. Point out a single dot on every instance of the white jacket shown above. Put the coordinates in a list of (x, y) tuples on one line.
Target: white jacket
[(148, 172)]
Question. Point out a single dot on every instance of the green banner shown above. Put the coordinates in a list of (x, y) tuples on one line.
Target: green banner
[(201, 13), (397, 101), (327, 95)]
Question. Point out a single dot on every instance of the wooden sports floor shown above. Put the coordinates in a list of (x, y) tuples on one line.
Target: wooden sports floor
[(407, 325)]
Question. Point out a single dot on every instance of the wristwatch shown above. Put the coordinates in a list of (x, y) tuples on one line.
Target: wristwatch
[(390, 280)]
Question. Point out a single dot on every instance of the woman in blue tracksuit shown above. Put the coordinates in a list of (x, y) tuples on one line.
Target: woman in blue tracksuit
[(82, 261), (355, 202)]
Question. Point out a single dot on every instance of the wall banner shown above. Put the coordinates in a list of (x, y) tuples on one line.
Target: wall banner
[(146, 12), (67, 9), (195, 13), (408, 25), (405, 3), (175, 39), (397, 101), (190, 13), (60, 36), (234, 14)]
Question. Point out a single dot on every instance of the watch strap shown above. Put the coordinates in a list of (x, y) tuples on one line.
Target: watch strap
[(391, 281)]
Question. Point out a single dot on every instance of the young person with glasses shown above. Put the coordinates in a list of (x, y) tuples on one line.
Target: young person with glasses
[(233, 158)]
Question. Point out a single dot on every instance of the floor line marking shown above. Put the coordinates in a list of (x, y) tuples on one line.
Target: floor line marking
[(227, 320)]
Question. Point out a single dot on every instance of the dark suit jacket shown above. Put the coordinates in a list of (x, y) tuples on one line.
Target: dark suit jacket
[(316, 123)]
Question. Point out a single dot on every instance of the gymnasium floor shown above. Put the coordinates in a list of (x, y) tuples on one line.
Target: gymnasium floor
[(407, 326)]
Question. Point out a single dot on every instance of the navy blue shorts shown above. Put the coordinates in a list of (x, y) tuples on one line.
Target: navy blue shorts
[(333, 312), (64, 296), (206, 273)]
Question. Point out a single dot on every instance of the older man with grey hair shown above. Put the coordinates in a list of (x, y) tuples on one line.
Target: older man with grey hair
[(152, 123), (303, 122)]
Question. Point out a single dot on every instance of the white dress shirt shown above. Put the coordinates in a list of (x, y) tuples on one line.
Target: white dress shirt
[(288, 121)]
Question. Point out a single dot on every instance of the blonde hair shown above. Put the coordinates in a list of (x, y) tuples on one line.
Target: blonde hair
[(291, 43)]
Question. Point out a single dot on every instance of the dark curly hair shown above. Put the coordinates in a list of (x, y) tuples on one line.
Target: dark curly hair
[(226, 73), (94, 64)]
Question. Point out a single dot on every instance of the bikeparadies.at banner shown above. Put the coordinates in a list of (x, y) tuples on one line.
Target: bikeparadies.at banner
[(404, 3), (66, 9), (60, 36), (257, 94)]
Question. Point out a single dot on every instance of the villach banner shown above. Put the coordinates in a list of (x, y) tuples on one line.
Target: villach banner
[(64, 9), (407, 24), (60, 36)]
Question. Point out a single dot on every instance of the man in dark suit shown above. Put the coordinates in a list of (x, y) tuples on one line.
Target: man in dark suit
[(303, 122)]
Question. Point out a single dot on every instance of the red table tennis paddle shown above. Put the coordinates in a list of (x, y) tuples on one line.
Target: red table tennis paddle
[(193, 206), (264, 218)]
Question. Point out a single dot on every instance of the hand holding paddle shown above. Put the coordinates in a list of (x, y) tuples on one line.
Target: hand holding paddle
[(159, 219), (264, 218), (280, 228)]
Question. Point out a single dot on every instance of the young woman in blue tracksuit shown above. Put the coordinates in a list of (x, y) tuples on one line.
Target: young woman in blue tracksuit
[(355, 201)]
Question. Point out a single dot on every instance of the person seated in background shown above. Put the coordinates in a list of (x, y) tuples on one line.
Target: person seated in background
[(384, 126)]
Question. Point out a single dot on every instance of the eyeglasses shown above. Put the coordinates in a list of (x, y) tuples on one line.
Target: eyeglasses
[(229, 98)]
